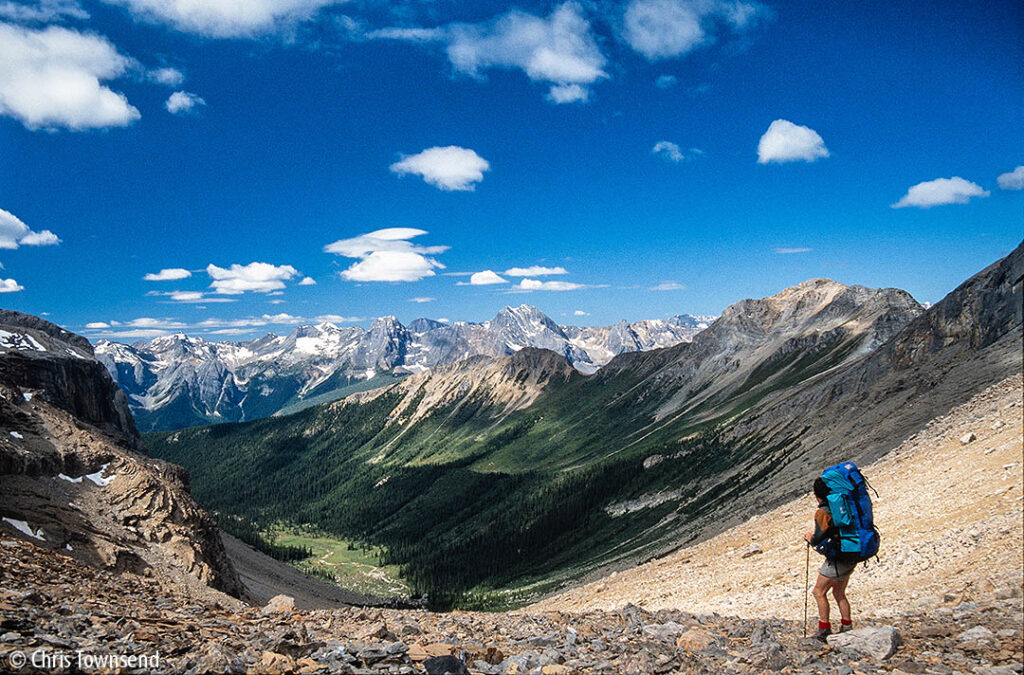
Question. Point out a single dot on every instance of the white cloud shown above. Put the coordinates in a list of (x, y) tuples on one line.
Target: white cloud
[(10, 286), (171, 77), (559, 50), (788, 142), (580, 312), (182, 101), (664, 29), (190, 296), (666, 81), (168, 274), (940, 191), (535, 271), (97, 324), (449, 168), (336, 318), (668, 151), (796, 249), (568, 93), (1013, 180), (307, 281), (51, 78), (422, 300), (225, 18), (259, 277), (44, 11), (537, 285), (15, 233), (485, 278), (44, 238), (387, 255), (668, 286), (187, 296)]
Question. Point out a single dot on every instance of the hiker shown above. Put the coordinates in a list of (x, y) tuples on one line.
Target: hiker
[(835, 571)]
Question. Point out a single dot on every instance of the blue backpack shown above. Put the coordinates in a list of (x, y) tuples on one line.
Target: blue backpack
[(852, 516)]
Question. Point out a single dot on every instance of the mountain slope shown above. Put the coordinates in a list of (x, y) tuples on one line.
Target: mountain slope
[(950, 513), (178, 381), (72, 477)]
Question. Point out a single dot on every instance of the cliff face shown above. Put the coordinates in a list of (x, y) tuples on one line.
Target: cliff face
[(71, 476), (38, 355)]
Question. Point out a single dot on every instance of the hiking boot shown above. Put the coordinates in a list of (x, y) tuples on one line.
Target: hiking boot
[(822, 634), (845, 628)]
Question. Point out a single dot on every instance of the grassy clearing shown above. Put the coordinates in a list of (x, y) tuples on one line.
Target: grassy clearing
[(350, 566)]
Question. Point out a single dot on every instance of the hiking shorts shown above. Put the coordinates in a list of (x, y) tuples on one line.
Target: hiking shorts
[(835, 569)]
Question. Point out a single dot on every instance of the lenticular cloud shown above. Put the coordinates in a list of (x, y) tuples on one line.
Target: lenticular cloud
[(387, 255)]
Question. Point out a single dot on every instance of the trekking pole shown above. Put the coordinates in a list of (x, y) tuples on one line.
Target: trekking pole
[(807, 577)]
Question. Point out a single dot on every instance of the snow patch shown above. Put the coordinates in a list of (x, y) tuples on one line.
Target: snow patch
[(27, 396), (98, 477), (21, 341), (69, 478), (23, 527), (17, 435)]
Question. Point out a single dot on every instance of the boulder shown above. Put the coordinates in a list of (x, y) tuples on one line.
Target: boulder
[(271, 663), (664, 631), (697, 640), (968, 438), (875, 643), (279, 604), (445, 665), (755, 549)]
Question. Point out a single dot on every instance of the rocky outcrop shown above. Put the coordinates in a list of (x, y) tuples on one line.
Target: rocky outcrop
[(36, 355), (71, 472)]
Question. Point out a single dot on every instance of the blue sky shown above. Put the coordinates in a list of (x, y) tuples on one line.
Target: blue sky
[(602, 160)]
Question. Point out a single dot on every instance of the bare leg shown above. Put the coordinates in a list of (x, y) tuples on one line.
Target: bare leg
[(839, 593), (820, 592)]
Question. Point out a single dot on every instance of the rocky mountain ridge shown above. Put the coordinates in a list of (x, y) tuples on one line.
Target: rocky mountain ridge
[(177, 381), (72, 476)]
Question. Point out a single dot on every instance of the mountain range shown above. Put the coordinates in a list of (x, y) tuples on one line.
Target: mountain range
[(179, 381), (493, 480)]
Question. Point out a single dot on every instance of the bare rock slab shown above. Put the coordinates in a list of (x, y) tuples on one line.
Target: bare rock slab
[(875, 643)]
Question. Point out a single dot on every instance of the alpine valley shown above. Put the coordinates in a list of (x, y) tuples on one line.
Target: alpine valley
[(497, 479), (179, 381)]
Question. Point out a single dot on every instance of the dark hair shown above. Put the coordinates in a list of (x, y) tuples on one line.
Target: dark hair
[(821, 490)]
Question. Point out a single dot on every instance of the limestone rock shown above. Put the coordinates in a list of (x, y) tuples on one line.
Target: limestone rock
[(696, 640), (875, 643), (279, 604), (271, 663)]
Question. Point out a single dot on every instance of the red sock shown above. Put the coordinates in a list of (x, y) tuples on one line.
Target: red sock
[(824, 625), (846, 622)]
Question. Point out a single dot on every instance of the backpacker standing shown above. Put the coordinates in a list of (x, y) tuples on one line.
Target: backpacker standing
[(835, 572)]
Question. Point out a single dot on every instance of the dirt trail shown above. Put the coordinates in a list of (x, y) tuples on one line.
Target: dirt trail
[(950, 513)]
